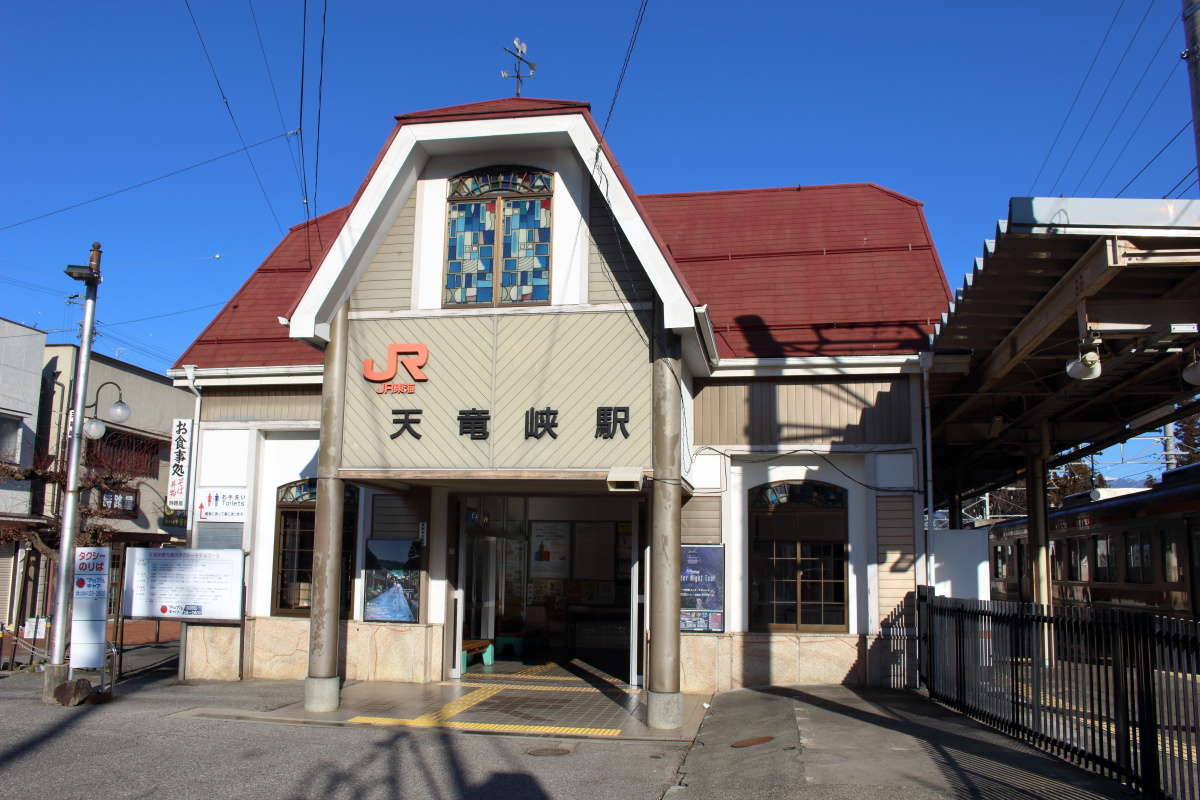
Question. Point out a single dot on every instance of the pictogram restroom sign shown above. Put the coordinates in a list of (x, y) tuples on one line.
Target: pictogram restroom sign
[(411, 356)]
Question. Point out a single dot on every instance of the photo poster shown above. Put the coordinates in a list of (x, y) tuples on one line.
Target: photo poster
[(392, 580), (702, 588), (549, 549), (594, 554)]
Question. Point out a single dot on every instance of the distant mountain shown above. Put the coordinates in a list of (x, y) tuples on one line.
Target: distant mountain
[(1138, 482)]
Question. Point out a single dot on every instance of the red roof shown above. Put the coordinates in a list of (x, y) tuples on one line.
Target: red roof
[(837, 269), (246, 332), (809, 270)]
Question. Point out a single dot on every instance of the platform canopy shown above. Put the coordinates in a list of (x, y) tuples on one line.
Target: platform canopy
[(1065, 277)]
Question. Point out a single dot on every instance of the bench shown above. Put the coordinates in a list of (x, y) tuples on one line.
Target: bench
[(471, 647)]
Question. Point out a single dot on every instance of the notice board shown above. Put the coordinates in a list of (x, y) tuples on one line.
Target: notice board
[(702, 588), (194, 585)]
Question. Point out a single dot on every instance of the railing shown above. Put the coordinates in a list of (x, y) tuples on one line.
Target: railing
[(1117, 692)]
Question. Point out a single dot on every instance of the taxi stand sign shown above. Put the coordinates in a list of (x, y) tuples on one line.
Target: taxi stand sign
[(89, 612)]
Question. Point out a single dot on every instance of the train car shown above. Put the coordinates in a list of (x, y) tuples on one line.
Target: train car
[(1138, 551)]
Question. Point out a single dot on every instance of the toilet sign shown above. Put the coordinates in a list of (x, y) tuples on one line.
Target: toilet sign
[(89, 612)]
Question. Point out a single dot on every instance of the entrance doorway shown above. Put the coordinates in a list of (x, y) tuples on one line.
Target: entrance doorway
[(549, 584)]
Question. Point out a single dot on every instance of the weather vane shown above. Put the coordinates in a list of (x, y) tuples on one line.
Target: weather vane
[(519, 55)]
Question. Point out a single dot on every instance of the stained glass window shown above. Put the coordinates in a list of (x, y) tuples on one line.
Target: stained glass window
[(519, 264)]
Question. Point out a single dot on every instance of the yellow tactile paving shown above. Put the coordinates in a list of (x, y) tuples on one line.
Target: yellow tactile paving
[(528, 687), (534, 670), (490, 726)]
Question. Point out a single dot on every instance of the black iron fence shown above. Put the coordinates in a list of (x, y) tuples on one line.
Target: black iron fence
[(1117, 692)]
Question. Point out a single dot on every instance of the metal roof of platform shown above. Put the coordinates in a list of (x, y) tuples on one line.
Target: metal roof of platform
[(1064, 276)]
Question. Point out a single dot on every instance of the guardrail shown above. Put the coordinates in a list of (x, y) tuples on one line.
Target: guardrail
[(1117, 692)]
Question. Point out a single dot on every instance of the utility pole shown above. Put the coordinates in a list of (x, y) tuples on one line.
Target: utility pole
[(56, 671), (1191, 32), (1169, 452)]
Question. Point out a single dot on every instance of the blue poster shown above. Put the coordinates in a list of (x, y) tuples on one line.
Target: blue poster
[(702, 588), (392, 580)]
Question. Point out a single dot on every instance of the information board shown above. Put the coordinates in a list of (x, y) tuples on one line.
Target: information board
[(184, 584), (89, 611), (702, 588)]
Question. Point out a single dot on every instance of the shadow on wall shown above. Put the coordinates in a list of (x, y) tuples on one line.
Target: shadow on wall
[(890, 658)]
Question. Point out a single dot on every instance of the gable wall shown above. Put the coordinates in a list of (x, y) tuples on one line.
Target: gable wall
[(387, 283)]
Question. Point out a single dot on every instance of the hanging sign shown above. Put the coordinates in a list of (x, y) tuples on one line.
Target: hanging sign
[(89, 612), (183, 584), (221, 503), (181, 450), (702, 588)]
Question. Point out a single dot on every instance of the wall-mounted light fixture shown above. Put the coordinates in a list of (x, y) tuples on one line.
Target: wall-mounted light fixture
[(118, 412), (1087, 366), (1191, 373)]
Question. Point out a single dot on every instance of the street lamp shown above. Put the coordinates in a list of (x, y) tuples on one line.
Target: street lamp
[(56, 671), (118, 412)]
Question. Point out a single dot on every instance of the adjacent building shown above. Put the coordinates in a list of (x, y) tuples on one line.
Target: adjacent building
[(501, 398)]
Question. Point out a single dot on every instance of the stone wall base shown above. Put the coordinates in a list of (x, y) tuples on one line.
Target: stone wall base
[(718, 662), (276, 648)]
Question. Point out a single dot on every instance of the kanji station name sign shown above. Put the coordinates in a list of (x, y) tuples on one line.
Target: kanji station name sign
[(511, 391)]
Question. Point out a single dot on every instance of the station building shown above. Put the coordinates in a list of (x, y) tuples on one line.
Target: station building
[(502, 406)]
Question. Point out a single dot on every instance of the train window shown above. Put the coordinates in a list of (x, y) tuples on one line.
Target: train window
[(1138, 564), (1077, 559), (999, 562), (1106, 564), (1171, 567)]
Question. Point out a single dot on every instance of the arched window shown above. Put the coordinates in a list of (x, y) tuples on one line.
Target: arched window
[(798, 536), (498, 237), (295, 526)]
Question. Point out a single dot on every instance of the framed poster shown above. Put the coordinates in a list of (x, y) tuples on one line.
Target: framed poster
[(392, 580), (594, 554), (702, 588), (549, 549)]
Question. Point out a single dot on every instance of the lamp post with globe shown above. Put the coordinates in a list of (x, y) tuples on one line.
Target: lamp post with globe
[(56, 671)]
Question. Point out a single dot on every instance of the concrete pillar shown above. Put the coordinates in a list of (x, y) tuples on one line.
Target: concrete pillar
[(1039, 549), (322, 688), (665, 702)]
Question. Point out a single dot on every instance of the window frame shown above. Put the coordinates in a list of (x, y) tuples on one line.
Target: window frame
[(500, 197), (756, 512), (350, 514)]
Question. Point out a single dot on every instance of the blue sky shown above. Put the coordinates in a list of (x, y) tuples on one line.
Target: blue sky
[(955, 104)]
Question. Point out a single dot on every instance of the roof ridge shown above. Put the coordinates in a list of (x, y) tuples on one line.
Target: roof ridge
[(495, 106), (800, 188)]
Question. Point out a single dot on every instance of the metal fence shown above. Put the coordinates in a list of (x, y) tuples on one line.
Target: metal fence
[(1117, 692)]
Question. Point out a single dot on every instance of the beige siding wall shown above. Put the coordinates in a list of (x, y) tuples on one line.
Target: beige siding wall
[(395, 516), (700, 520), (897, 553), (505, 364), (248, 405), (614, 273), (796, 411), (387, 283)]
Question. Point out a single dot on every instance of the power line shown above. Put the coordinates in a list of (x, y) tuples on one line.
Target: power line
[(1078, 92), (1179, 182), (161, 316), (274, 93), (637, 26), (1154, 158), (1138, 127), (139, 185), (300, 116), (1120, 114), (320, 105), (33, 287), (1103, 94), (1184, 190), (229, 109)]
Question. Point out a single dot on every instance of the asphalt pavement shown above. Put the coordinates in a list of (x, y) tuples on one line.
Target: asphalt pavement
[(828, 743)]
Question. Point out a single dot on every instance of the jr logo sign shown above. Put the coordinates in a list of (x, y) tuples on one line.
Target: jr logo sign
[(412, 356)]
